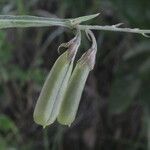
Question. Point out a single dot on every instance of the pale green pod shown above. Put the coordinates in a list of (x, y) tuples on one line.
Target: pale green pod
[(59, 97), (72, 97), (76, 85), (49, 101)]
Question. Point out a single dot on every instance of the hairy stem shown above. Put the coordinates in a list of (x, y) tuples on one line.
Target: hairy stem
[(73, 23), (114, 28)]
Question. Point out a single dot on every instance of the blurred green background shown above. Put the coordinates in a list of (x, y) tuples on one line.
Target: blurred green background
[(114, 112)]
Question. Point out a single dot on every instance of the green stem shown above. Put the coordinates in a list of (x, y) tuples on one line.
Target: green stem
[(114, 28), (33, 21)]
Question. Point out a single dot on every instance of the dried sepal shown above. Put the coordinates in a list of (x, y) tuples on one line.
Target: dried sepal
[(72, 45)]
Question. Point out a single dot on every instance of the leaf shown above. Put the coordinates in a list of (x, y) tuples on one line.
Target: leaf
[(132, 79), (10, 21), (140, 49), (3, 144), (84, 18), (144, 70), (122, 94), (144, 94), (6, 124)]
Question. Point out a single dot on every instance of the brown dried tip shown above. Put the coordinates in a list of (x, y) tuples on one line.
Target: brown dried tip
[(72, 45)]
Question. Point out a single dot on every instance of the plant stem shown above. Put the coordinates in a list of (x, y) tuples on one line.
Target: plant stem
[(114, 28), (73, 23)]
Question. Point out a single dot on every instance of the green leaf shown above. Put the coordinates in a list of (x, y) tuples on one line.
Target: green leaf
[(10, 21), (6, 124), (144, 70), (137, 51), (83, 18), (122, 94), (144, 94), (5, 51), (3, 144)]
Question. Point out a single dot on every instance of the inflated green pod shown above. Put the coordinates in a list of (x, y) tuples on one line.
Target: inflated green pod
[(76, 85), (49, 101)]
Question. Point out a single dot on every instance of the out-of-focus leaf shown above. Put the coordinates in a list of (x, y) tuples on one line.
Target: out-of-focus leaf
[(144, 70), (144, 94), (36, 75), (5, 145), (135, 11), (2, 144), (123, 91), (5, 51), (140, 49), (6, 124), (132, 78)]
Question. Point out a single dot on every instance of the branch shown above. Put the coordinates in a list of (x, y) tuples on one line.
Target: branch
[(33, 21), (115, 28), (10, 21)]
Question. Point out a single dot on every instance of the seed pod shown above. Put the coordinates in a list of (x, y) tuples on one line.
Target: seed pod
[(49, 101), (76, 85)]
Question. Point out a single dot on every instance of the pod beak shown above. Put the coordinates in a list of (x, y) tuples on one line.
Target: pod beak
[(90, 56)]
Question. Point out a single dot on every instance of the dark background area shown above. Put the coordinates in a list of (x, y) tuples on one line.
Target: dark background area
[(114, 109)]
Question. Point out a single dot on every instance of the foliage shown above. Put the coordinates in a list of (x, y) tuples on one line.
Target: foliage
[(8, 131), (132, 79)]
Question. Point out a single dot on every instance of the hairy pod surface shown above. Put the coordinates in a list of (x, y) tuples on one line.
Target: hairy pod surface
[(76, 85), (49, 101)]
